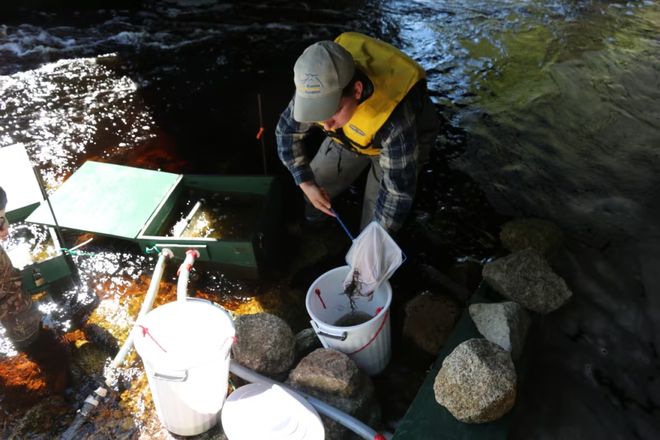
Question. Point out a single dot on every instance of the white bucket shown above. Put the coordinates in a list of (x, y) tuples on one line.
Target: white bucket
[(185, 347), (368, 344), (263, 411)]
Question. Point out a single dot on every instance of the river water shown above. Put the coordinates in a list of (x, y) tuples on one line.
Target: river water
[(550, 109)]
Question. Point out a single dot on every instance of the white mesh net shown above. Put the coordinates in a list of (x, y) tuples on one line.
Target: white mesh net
[(373, 258)]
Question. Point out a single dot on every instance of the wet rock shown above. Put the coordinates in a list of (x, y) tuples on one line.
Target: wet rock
[(477, 382), (429, 320), (46, 418), (306, 342), (467, 274), (264, 343), (111, 421), (327, 371), (101, 337), (504, 324), (526, 278), (541, 235), (334, 378), (315, 242), (441, 281), (88, 360)]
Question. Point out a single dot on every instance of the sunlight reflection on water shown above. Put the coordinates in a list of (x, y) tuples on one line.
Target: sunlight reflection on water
[(70, 110)]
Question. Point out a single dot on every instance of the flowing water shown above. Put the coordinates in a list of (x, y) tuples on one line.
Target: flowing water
[(205, 214), (551, 107)]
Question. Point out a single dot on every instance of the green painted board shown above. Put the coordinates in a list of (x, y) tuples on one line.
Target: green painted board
[(19, 182), (107, 199), (428, 420)]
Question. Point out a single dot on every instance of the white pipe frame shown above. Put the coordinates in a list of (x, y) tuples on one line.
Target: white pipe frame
[(147, 304), (184, 274)]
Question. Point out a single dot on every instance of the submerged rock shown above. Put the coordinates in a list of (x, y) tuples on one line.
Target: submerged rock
[(264, 343), (334, 378), (306, 342), (43, 420), (430, 320), (477, 382), (504, 324), (441, 281), (526, 278), (541, 235), (89, 359)]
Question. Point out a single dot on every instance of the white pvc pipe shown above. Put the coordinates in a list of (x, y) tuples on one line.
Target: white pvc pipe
[(339, 416), (92, 400), (147, 303), (186, 221), (184, 274)]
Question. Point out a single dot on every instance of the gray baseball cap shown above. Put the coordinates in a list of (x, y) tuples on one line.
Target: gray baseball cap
[(320, 74)]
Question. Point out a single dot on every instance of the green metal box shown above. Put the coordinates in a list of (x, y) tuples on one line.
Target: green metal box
[(18, 180), (142, 205)]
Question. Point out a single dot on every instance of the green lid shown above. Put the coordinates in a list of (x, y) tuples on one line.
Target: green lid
[(107, 199)]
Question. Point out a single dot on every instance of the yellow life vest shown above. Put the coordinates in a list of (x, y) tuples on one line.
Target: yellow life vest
[(392, 73)]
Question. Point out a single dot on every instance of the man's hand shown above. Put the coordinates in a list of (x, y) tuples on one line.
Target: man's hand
[(317, 196)]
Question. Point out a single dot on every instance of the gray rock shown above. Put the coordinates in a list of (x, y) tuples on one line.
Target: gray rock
[(477, 382), (264, 343), (88, 360), (43, 420), (541, 235), (306, 342), (504, 324), (526, 278), (334, 378), (328, 371), (430, 320)]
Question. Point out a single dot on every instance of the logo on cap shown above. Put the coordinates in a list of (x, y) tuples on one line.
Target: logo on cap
[(312, 85)]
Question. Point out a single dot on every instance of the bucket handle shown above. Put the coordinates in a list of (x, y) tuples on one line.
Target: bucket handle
[(172, 378), (319, 332)]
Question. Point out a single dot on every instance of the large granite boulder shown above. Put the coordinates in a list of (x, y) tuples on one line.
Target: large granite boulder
[(430, 320), (334, 378), (477, 382), (264, 343), (504, 324), (540, 235), (526, 278)]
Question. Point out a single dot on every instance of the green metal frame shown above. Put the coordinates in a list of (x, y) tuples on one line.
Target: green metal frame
[(18, 179), (240, 256), (134, 204)]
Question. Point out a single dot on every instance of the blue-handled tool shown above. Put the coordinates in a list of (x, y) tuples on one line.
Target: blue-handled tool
[(341, 223)]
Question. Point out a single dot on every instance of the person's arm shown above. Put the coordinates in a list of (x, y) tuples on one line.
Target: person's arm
[(398, 159), (290, 136)]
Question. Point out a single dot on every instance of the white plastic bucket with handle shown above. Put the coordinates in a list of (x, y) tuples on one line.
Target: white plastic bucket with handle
[(368, 343), (185, 348)]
